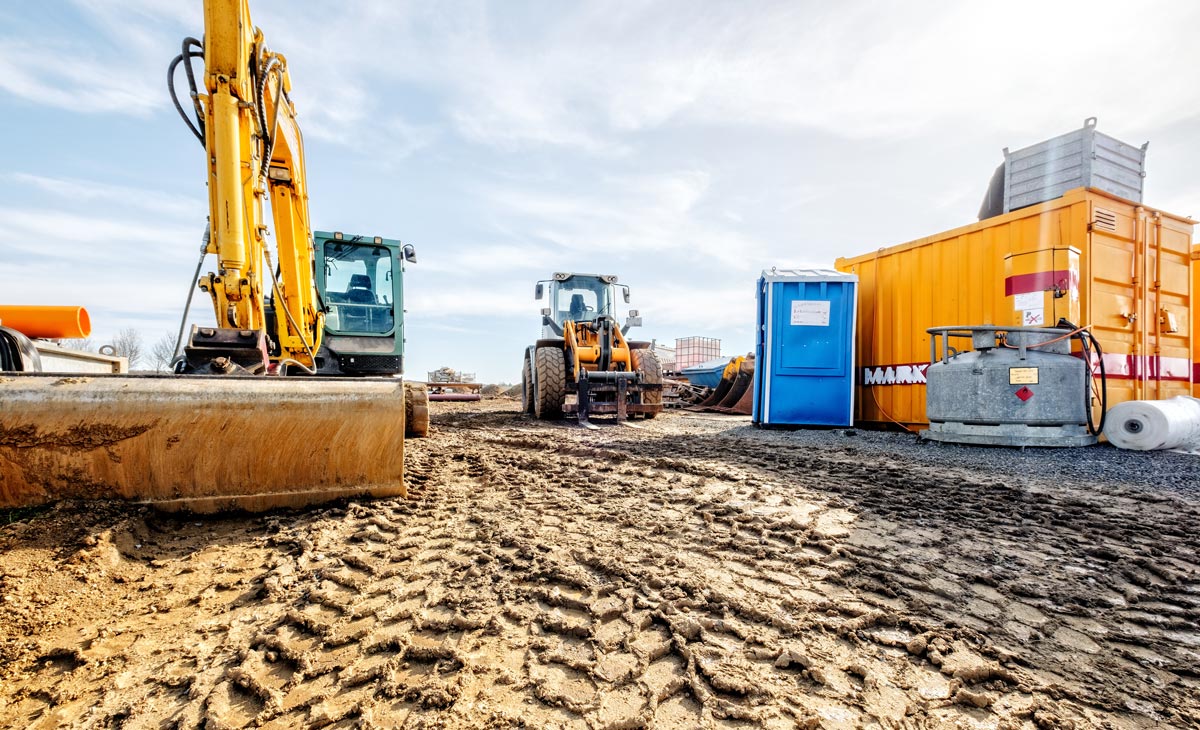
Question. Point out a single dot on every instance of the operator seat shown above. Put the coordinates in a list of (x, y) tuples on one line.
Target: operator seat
[(360, 291), (355, 317), (578, 308)]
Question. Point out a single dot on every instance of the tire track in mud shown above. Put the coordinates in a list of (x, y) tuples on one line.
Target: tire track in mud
[(545, 576), (1096, 591)]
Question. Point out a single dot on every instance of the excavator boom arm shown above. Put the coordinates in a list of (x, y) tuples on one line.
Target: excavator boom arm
[(255, 151)]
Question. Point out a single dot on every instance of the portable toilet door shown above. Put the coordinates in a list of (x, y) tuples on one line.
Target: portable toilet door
[(804, 375)]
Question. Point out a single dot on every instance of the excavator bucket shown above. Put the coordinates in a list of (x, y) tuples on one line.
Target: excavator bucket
[(740, 398), (723, 387), (735, 393), (199, 444)]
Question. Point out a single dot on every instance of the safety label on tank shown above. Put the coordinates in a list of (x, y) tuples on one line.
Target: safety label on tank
[(1034, 317), (810, 313), (1022, 376)]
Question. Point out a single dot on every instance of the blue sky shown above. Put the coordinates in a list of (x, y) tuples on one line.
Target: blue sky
[(684, 146)]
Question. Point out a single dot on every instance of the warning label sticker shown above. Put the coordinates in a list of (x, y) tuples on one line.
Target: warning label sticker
[(1029, 300), (810, 313), (1022, 376), (1034, 317)]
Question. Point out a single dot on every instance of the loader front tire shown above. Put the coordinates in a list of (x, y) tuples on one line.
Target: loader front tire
[(550, 388), (527, 386), (646, 362)]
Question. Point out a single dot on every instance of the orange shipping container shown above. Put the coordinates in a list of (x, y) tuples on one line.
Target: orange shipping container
[(1088, 257)]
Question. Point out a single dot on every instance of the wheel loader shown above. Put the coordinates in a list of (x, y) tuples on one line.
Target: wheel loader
[(293, 395), (583, 365)]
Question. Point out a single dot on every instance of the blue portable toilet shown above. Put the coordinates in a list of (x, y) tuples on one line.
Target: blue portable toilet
[(804, 370)]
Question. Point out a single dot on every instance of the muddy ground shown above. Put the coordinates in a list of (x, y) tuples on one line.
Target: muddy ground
[(691, 573)]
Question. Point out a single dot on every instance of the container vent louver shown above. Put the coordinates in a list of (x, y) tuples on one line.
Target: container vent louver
[(1105, 220)]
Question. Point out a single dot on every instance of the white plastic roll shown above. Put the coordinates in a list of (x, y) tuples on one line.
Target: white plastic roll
[(1146, 425)]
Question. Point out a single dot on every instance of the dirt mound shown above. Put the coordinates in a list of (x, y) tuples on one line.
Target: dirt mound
[(678, 575)]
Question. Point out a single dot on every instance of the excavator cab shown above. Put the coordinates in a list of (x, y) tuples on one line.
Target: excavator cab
[(360, 283), (583, 364), (360, 294)]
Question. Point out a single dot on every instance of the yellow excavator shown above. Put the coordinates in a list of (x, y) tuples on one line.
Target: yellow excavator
[(583, 364), (293, 397)]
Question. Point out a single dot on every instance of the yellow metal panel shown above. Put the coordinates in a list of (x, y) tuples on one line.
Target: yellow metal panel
[(1132, 262)]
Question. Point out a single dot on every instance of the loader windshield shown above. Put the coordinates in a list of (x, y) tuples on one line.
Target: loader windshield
[(582, 298), (358, 288)]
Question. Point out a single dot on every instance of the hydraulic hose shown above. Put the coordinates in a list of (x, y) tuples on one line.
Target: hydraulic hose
[(270, 139), (188, 44), (187, 308), (281, 304), (190, 48), (1090, 347), (1088, 337), (186, 60), (262, 76)]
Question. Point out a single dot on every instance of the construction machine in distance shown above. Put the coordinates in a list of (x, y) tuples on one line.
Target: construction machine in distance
[(261, 412), (584, 353)]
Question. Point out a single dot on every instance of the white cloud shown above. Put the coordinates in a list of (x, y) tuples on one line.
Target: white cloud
[(114, 67), (464, 300), (870, 68), (141, 298), (90, 191), (687, 306), (586, 77), (67, 79), (486, 258), (635, 217), (78, 238), (136, 22)]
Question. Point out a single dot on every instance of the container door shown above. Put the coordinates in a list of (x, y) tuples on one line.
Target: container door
[(1140, 300)]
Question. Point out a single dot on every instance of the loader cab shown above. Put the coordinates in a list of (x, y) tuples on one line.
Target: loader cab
[(576, 298), (361, 287)]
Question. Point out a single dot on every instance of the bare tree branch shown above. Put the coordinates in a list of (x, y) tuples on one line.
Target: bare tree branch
[(81, 343), (128, 344), (163, 353)]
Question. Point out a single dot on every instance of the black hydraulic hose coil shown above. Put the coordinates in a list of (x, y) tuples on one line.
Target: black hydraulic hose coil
[(185, 57), (1095, 345), (1090, 347)]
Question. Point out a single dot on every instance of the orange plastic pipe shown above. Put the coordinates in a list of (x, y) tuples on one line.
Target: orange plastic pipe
[(52, 323)]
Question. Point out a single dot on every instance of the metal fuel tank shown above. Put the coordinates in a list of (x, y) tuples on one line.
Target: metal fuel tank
[(1018, 386)]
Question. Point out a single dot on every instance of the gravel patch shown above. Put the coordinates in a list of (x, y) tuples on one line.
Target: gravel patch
[(1101, 465)]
